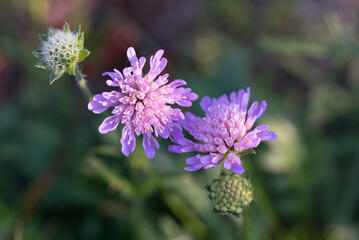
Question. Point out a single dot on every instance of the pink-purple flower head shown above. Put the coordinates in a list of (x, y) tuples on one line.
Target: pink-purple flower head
[(142, 103), (224, 134)]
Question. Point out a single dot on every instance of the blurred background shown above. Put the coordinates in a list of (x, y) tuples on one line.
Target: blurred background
[(61, 179)]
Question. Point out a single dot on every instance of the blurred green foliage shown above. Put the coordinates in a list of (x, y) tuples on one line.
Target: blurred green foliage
[(61, 179)]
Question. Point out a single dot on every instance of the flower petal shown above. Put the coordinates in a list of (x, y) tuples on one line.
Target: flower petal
[(212, 165), (194, 167), (237, 168), (206, 159), (254, 113), (128, 140), (193, 160), (109, 124), (227, 164), (233, 97), (205, 103), (149, 143), (180, 149), (244, 101), (131, 55), (267, 136)]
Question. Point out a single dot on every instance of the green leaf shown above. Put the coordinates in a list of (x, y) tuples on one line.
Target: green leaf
[(247, 151), (38, 54), (77, 30), (66, 27), (80, 38), (71, 69), (83, 54), (51, 31), (43, 37), (41, 65), (73, 61), (55, 75)]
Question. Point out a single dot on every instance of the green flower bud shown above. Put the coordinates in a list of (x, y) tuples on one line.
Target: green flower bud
[(234, 194), (60, 51), (238, 210)]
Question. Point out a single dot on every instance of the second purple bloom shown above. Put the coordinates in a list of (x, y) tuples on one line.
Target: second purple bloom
[(142, 103), (224, 134)]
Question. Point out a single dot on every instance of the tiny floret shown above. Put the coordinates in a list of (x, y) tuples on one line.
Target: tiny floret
[(142, 103), (224, 134), (60, 51)]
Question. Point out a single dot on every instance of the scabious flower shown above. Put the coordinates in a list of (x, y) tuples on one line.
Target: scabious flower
[(224, 134), (142, 103), (61, 50)]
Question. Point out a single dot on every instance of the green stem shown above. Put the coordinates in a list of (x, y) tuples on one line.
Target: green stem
[(82, 83), (245, 223)]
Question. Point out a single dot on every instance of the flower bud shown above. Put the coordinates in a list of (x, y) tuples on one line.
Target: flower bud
[(230, 194), (61, 50)]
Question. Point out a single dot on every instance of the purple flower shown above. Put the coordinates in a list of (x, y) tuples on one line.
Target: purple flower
[(233, 162), (142, 103), (224, 134)]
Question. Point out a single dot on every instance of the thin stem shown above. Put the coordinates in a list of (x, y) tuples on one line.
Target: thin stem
[(82, 83), (245, 223)]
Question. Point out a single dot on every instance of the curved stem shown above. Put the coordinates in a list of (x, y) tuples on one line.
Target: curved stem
[(82, 83)]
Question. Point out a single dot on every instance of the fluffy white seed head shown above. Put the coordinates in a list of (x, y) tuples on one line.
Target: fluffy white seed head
[(60, 50)]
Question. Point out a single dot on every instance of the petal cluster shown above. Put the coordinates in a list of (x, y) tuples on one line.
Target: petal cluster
[(142, 103), (224, 133)]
